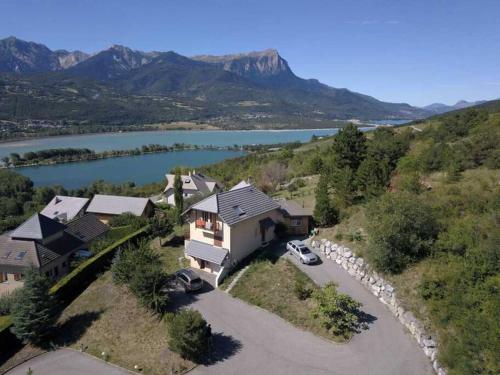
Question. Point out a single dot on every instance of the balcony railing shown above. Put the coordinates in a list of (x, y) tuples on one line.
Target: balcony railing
[(208, 225)]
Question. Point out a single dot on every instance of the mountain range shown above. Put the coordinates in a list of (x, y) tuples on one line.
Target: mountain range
[(438, 108), (124, 86)]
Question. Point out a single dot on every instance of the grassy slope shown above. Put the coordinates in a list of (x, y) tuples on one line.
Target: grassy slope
[(107, 318), (269, 283)]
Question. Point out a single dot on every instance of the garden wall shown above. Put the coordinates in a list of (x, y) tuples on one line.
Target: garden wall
[(361, 271)]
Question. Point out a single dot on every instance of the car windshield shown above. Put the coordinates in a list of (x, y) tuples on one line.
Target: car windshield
[(195, 281), (305, 250)]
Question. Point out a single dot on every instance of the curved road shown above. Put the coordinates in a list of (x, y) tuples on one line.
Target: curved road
[(250, 340), (67, 362), (266, 344)]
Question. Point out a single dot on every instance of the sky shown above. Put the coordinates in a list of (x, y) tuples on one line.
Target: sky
[(413, 51)]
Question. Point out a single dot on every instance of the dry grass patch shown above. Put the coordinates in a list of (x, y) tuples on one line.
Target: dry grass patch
[(107, 318), (270, 282)]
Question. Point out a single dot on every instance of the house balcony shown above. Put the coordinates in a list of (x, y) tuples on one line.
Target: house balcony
[(208, 226)]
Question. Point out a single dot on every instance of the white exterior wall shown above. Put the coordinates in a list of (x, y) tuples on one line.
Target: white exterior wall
[(246, 236)]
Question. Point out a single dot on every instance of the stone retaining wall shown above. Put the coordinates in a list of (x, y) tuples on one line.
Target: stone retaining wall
[(361, 271)]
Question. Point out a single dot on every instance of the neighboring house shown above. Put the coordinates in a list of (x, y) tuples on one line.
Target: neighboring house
[(296, 218), (192, 184), (107, 206), (226, 227), (45, 244), (64, 209)]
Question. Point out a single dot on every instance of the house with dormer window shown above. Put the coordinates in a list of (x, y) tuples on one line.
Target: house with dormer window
[(45, 244), (228, 226), (192, 184)]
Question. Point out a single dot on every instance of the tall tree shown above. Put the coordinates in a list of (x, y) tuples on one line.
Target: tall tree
[(324, 211), (349, 147), (344, 185), (33, 310), (178, 198)]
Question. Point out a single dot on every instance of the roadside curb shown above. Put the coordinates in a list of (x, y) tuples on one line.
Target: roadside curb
[(235, 280), (22, 362)]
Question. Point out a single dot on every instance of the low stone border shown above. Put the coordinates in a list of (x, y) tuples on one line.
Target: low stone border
[(361, 271)]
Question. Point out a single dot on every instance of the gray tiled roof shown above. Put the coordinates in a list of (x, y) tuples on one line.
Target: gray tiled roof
[(194, 182), (37, 227), (87, 227), (18, 250), (206, 252), (10, 249), (292, 208), (64, 208), (117, 205), (237, 205)]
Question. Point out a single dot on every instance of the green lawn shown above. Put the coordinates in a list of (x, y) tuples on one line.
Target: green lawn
[(269, 283)]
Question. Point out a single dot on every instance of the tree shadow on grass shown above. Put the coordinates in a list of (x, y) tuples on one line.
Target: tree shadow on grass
[(72, 329), (223, 348)]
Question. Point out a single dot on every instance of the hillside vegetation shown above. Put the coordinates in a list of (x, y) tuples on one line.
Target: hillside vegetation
[(422, 206)]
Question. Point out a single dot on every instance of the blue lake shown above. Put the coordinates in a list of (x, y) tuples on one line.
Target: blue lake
[(140, 169), (144, 168), (130, 140)]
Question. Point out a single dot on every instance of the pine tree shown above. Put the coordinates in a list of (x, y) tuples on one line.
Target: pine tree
[(349, 147), (33, 312), (178, 199), (324, 211)]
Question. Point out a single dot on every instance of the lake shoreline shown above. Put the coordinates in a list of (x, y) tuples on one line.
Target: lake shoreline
[(178, 129), (123, 153)]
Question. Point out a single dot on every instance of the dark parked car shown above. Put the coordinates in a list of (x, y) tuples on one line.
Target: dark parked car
[(189, 280)]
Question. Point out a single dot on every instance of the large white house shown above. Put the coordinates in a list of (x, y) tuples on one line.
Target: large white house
[(226, 227), (192, 184)]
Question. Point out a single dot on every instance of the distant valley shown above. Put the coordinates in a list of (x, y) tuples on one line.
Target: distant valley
[(46, 92), (119, 87)]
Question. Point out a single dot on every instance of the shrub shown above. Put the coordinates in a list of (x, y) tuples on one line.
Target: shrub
[(411, 183), (141, 269), (187, 335), (401, 229), (33, 312), (301, 291), (7, 301), (147, 284), (337, 312)]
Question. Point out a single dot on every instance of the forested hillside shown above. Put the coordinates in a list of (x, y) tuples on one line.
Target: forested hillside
[(422, 203)]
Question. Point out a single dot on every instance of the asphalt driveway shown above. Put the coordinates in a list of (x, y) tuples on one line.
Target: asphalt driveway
[(67, 362), (250, 340)]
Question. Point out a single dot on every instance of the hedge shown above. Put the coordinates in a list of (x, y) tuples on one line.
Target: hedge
[(71, 285)]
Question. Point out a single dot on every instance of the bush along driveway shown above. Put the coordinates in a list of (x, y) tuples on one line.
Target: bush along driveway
[(251, 340)]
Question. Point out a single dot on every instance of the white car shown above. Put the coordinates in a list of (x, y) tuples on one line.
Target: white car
[(302, 252)]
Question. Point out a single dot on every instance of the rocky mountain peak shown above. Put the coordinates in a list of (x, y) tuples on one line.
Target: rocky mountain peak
[(252, 64)]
